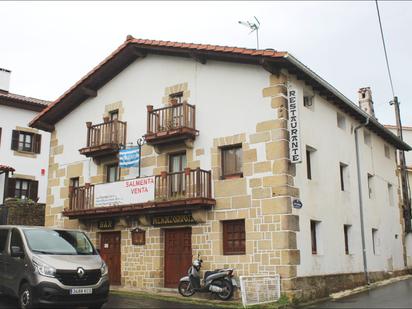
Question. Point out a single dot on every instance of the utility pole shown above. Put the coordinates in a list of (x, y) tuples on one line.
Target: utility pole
[(403, 171)]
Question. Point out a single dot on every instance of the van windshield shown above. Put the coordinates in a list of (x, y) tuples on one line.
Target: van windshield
[(60, 242)]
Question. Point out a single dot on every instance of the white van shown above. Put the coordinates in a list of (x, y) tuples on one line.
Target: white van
[(51, 267)]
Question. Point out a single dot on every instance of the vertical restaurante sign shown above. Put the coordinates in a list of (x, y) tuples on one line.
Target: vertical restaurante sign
[(132, 191), (294, 130)]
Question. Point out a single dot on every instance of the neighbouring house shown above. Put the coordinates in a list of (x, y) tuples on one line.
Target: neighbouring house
[(249, 160), (407, 137), (24, 151)]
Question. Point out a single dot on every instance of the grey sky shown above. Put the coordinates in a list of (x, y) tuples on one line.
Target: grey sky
[(50, 45)]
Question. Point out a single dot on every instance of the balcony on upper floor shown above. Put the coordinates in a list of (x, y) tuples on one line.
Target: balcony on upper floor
[(188, 190), (105, 138), (171, 124)]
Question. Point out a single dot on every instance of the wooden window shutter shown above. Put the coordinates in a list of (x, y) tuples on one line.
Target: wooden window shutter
[(11, 183), (33, 190), (36, 143), (15, 140)]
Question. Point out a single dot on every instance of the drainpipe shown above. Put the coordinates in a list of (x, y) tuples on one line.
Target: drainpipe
[(365, 263)]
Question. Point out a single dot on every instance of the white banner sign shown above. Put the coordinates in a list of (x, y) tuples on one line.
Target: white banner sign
[(132, 191), (294, 130)]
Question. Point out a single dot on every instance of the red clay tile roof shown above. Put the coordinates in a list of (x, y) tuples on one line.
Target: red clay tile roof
[(132, 48), (20, 101), (166, 45), (203, 47), (23, 98), (5, 168)]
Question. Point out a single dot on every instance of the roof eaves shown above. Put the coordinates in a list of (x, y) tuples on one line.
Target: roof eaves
[(392, 138), (77, 84)]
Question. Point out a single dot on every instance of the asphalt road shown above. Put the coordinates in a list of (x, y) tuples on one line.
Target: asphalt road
[(117, 301), (395, 295)]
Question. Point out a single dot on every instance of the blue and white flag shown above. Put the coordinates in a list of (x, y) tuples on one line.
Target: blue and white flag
[(129, 157)]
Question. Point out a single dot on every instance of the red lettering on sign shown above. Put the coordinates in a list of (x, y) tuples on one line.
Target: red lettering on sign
[(139, 182), (139, 190)]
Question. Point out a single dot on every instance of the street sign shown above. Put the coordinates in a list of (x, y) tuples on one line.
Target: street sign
[(297, 204)]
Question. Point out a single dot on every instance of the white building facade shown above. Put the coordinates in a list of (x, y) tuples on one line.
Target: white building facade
[(24, 151), (215, 120)]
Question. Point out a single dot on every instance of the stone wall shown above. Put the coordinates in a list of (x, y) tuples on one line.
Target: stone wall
[(315, 287), (18, 212)]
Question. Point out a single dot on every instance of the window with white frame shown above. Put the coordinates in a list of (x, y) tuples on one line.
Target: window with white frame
[(346, 235), (341, 121), (309, 161), (387, 151), (370, 186), (367, 137), (315, 236), (344, 176), (375, 241), (308, 101)]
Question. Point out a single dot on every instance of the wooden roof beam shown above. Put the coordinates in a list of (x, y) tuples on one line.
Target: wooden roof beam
[(45, 126), (138, 52), (198, 57), (88, 92), (270, 67)]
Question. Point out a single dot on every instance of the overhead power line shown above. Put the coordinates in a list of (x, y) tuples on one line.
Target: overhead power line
[(384, 49)]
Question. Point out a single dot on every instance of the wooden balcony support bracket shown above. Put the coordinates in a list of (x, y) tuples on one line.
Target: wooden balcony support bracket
[(198, 57), (271, 67), (138, 52), (45, 126), (189, 143), (89, 92)]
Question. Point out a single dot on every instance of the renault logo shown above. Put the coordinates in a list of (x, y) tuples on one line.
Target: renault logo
[(80, 272)]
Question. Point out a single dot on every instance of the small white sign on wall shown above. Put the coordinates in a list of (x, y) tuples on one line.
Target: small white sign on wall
[(295, 154)]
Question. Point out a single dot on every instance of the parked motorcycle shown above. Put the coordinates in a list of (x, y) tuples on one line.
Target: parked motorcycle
[(219, 281)]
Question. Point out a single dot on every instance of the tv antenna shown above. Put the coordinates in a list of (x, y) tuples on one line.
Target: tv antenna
[(254, 26)]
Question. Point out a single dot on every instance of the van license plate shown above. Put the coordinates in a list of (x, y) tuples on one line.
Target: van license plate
[(79, 291)]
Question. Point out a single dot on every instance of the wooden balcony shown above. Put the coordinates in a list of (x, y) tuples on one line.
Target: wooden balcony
[(187, 190), (171, 124), (81, 197), (104, 138)]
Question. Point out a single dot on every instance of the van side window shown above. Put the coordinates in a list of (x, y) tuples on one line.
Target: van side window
[(3, 239), (16, 240)]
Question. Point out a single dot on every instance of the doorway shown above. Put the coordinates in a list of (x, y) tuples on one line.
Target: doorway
[(110, 253), (178, 255), (177, 164)]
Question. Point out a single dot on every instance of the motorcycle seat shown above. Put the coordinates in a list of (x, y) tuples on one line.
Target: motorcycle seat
[(211, 272)]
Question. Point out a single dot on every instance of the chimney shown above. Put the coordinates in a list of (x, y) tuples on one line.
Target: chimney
[(365, 101), (4, 80)]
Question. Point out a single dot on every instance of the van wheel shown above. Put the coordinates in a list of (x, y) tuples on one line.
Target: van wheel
[(25, 297)]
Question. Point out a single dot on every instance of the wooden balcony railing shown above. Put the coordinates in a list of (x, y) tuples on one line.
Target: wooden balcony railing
[(104, 138), (111, 132), (82, 197), (170, 123), (185, 185)]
